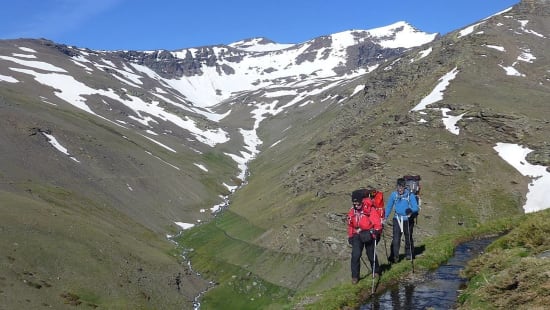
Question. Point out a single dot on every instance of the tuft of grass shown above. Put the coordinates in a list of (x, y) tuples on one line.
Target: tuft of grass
[(512, 273)]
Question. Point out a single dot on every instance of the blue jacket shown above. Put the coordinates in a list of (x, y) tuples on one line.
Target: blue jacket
[(401, 203)]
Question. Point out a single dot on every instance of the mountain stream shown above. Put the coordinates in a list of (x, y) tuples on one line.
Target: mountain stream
[(439, 290)]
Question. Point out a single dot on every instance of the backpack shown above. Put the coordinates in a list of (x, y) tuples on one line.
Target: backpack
[(413, 184), (375, 197)]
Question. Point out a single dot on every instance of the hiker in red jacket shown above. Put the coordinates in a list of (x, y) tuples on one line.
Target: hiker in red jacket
[(364, 227)]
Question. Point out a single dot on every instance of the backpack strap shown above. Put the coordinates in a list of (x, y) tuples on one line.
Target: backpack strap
[(400, 222)]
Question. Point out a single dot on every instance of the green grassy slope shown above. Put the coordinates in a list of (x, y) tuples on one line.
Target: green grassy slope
[(66, 253), (298, 191)]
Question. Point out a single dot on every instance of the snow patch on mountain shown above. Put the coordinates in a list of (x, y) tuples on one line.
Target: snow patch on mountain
[(400, 34), (264, 70), (259, 45)]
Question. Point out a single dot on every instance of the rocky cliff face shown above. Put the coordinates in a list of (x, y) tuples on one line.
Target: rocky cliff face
[(535, 7), (365, 51)]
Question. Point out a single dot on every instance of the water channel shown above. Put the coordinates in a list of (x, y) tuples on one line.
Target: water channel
[(439, 290)]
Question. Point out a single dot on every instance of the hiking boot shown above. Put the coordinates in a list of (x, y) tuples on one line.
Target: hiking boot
[(354, 280)]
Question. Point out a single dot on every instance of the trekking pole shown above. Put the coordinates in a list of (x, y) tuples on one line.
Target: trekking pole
[(373, 267), (410, 245), (419, 202)]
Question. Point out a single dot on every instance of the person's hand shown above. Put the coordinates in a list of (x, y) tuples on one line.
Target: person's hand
[(408, 212), (383, 221), (350, 240), (373, 234)]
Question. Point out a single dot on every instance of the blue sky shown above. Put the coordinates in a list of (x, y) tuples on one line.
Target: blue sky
[(177, 24)]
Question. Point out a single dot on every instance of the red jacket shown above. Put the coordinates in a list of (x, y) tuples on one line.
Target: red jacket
[(363, 219)]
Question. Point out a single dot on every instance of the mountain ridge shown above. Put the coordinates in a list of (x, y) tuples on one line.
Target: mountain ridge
[(104, 144), (154, 152)]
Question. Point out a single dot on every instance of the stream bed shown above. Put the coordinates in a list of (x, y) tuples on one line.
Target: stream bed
[(439, 290)]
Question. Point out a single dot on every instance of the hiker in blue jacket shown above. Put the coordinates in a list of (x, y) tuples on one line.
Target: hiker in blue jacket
[(406, 209)]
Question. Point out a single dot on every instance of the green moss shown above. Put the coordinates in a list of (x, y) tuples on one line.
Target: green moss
[(217, 251), (510, 274)]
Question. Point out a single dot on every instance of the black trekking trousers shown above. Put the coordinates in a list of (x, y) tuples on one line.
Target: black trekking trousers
[(396, 240), (356, 250)]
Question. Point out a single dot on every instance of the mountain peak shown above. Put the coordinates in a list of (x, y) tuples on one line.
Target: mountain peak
[(401, 34), (397, 35)]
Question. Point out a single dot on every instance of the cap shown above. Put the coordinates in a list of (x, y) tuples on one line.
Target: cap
[(401, 182), (356, 197)]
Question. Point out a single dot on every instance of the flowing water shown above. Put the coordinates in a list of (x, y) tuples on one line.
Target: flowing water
[(438, 291)]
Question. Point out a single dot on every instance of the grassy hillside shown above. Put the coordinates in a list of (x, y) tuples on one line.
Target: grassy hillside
[(91, 229), (93, 232), (298, 191), (513, 273), (60, 253)]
